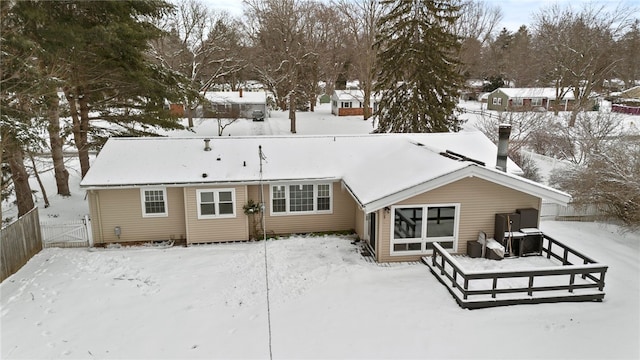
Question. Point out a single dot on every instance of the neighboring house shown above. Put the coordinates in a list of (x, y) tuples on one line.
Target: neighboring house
[(527, 99), (233, 104), (350, 102), (631, 93), (398, 192), (472, 89)]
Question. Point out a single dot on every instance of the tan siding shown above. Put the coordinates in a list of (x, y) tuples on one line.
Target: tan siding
[(360, 222), (342, 218), (96, 225), (479, 201), (216, 230), (122, 207)]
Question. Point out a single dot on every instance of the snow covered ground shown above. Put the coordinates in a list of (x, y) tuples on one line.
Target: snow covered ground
[(325, 301)]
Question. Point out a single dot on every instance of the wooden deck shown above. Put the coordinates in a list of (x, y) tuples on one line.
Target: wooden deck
[(576, 277)]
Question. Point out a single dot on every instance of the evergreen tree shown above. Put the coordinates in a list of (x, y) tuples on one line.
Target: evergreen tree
[(418, 76), (105, 71), (18, 85)]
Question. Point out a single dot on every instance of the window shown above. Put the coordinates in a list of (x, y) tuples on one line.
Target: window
[(497, 101), (154, 202), (216, 203), (346, 104), (323, 200), (536, 102), (518, 101), (416, 228), (279, 196), (301, 198)]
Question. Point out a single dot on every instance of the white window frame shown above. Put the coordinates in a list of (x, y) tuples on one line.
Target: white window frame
[(519, 102), (287, 199), (346, 104), (216, 201), (143, 202), (423, 240), (496, 101), (536, 102)]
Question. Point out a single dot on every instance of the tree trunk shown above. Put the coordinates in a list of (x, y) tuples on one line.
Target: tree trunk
[(189, 105), (37, 175), (83, 150), (292, 112), (60, 171), (20, 179), (366, 102), (79, 109)]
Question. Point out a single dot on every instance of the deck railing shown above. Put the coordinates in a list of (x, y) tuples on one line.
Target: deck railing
[(562, 286)]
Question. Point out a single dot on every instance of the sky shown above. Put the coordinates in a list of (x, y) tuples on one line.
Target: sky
[(515, 12)]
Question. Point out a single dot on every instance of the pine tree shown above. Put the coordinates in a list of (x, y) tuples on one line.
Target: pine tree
[(105, 71), (417, 76)]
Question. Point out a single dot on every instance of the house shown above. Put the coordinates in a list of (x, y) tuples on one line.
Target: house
[(631, 93), (350, 102), (233, 104), (398, 192), (527, 99), (472, 89)]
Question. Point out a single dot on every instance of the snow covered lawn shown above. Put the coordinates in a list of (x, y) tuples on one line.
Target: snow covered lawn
[(326, 301)]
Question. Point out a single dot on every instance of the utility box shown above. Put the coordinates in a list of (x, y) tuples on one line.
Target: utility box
[(528, 218), (474, 249)]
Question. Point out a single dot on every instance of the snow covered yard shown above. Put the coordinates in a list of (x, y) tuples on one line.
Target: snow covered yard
[(326, 301)]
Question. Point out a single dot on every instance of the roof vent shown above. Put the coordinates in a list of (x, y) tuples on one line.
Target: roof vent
[(459, 157), (207, 147)]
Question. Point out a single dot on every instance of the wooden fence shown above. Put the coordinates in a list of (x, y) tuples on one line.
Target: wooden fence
[(559, 281), (19, 242)]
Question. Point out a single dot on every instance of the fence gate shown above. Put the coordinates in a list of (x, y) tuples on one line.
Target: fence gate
[(75, 233)]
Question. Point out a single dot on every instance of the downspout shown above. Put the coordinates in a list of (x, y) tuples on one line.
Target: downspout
[(96, 196), (186, 216)]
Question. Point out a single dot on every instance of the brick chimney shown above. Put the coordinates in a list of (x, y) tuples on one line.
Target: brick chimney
[(240, 92)]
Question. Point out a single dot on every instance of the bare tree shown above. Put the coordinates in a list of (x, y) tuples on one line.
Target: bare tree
[(203, 45), (476, 26), (576, 49), (609, 180), (362, 17), (277, 30), (628, 49)]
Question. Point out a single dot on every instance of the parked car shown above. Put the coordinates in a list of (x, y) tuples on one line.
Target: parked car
[(258, 115)]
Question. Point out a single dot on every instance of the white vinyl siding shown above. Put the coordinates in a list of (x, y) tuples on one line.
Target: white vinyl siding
[(154, 202)]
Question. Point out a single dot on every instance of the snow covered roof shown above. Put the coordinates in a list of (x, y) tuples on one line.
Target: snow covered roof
[(528, 93), (345, 95), (233, 97), (378, 169), (349, 95)]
